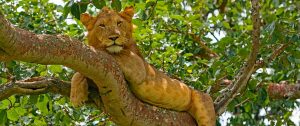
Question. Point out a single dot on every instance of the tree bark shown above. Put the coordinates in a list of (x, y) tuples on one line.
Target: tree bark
[(118, 101), (41, 85), (284, 91)]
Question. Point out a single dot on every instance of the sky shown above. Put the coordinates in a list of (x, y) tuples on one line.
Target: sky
[(59, 2)]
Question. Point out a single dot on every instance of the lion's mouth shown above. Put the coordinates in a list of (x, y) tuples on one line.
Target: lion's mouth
[(114, 48)]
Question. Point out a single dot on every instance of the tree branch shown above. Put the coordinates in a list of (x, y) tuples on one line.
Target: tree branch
[(119, 102), (203, 45), (222, 6), (41, 85), (284, 91), (274, 55), (246, 71)]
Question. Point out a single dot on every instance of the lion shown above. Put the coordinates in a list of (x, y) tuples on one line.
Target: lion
[(111, 31)]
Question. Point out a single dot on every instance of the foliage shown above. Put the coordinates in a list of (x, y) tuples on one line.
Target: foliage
[(163, 34)]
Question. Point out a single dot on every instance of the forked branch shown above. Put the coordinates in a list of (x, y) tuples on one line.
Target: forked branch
[(246, 71), (41, 85)]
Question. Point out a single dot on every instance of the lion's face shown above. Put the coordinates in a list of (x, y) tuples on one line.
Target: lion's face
[(110, 31)]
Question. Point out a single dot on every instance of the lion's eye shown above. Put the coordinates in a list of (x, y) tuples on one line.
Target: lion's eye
[(102, 25), (119, 23)]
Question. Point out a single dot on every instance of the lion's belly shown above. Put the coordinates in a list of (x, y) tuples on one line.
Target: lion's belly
[(165, 92)]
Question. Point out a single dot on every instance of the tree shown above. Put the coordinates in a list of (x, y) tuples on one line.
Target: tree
[(260, 48)]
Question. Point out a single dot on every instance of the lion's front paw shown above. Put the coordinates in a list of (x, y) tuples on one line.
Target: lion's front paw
[(79, 90), (78, 97)]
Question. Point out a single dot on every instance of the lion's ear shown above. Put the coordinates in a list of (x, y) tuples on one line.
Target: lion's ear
[(87, 20), (127, 13)]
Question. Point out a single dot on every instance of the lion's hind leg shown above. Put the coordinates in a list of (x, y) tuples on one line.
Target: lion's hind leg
[(202, 109), (79, 90)]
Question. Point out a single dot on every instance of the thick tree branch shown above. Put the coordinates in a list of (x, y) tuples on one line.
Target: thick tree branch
[(119, 102), (247, 70), (284, 91)]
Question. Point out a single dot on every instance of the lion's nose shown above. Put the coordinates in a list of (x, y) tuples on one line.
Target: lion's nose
[(113, 38)]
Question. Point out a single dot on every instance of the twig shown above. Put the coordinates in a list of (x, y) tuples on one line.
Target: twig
[(220, 83), (9, 75), (274, 55), (223, 6), (214, 36), (240, 104), (67, 112), (202, 44), (152, 10), (91, 118), (80, 3)]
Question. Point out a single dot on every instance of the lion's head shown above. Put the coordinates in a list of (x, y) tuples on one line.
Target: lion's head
[(110, 30)]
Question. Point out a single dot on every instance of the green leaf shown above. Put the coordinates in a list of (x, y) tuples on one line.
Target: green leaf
[(226, 24), (287, 115), (262, 93), (195, 17), (150, 3), (55, 68), (66, 120), (99, 3), (33, 99), (12, 99), (40, 122), (247, 108), (137, 22), (67, 9), (249, 27), (178, 17), (75, 10), (58, 116), (243, 52), (116, 4), (189, 69), (186, 55), (42, 104), (5, 104), (12, 115), (79, 8), (21, 111), (3, 117), (41, 68), (225, 41), (83, 8)]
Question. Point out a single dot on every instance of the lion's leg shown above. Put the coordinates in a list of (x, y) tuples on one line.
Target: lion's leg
[(79, 89), (202, 109)]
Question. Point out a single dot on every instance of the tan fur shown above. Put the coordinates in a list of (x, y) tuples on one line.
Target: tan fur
[(79, 90), (112, 32)]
